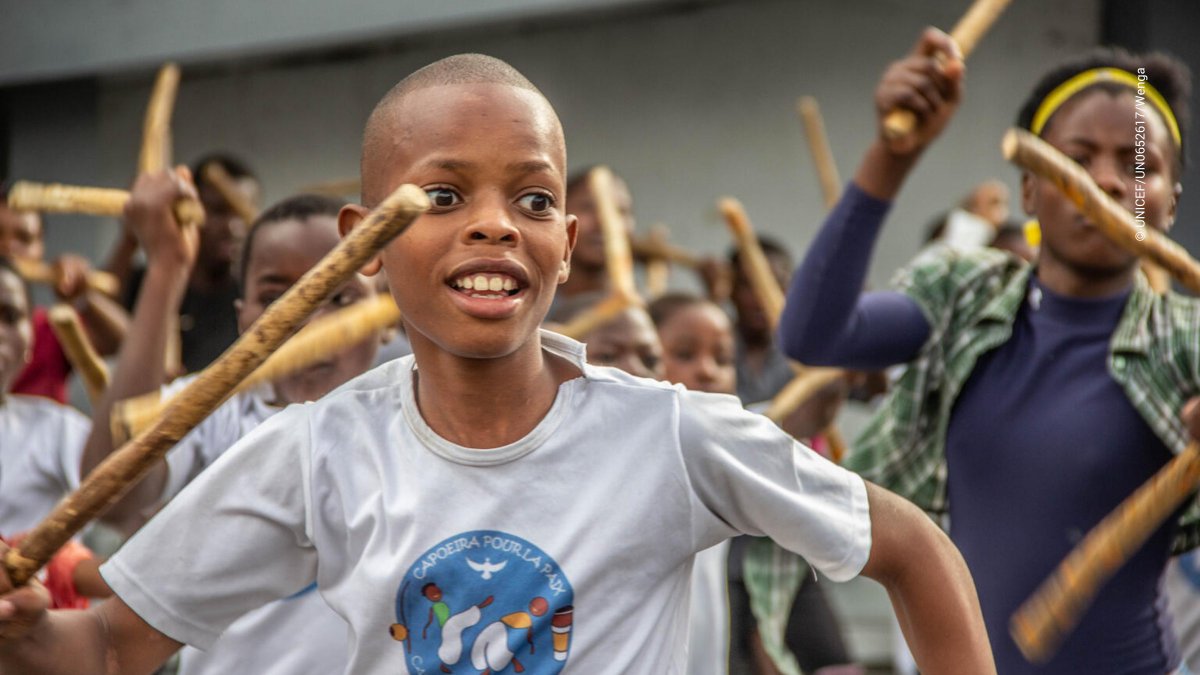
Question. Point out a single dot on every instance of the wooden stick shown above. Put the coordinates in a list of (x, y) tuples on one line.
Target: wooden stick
[(69, 331), (803, 387), (596, 315), (58, 198), (41, 272), (967, 33), (658, 270), (1158, 278), (319, 340), (818, 143), (617, 253), (156, 130), (753, 260), (121, 470), (1051, 613), (649, 248), (1033, 154), (335, 188), (219, 178), (837, 443)]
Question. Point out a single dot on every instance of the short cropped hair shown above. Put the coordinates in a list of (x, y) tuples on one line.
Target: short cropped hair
[(1165, 73), (299, 207), (669, 304), (771, 247), (235, 167)]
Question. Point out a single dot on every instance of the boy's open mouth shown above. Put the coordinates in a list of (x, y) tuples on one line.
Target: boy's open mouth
[(487, 285)]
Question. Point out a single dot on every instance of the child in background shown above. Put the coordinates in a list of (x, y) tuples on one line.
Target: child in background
[(627, 341), (297, 634), (473, 483)]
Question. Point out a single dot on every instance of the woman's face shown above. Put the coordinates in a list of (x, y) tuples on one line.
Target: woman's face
[(698, 350)]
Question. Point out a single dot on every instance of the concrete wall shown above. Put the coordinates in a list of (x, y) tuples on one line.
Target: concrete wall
[(687, 103)]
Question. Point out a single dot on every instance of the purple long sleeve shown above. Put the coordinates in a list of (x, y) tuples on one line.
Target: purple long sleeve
[(828, 320)]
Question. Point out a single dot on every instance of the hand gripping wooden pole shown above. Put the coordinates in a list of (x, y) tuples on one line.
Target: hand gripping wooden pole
[(967, 33), (1041, 623), (113, 477), (91, 368), (41, 272), (321, 339), (818, 143), (219, 178), (58, 198)]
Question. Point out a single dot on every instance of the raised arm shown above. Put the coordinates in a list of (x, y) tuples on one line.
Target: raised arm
[(170, 253), (930, 588), (827, 319)]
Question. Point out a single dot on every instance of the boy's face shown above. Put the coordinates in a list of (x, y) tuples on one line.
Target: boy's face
[(16, 332), (20, 235), (698, 350), (628, 342), (281, 253), (589, 248), (223, 230), (476, 274)]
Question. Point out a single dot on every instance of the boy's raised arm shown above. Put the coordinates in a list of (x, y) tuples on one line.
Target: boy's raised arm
[(170, 253), (931, 590), (106, 639)]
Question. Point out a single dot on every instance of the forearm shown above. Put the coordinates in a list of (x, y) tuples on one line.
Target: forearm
[(930, 588), (120, 259), (105, 320), (64, 642)]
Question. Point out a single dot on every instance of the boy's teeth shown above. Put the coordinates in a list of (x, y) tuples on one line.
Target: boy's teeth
[(468, 283), (481, 282), (495, 284), (509, 284)]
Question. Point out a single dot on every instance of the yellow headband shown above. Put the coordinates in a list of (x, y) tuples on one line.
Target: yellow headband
[(1063, 92)]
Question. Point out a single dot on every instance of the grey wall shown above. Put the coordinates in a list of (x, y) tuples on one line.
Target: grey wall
[(688, 103)]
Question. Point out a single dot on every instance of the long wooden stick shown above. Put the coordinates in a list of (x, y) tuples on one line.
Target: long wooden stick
[(617, 254), (1033, 154), (967, 33), (156, 150), (58, 198), (121, 470), (41, 272), (651, 248), (596, 315), (91, 368), (334, 188), (753, 260), (804, 386), (1051, 613), (319, 340), (818, 143), (220, 179)]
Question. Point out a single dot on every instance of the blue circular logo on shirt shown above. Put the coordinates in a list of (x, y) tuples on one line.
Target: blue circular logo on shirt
[(484, 602)]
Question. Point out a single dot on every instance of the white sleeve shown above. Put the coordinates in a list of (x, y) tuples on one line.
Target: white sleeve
[(758, 480), (202, 445), (234, 540)]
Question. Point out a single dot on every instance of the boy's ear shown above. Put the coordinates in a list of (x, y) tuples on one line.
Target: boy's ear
[(1028, 191), (348, 218), (564, 270)]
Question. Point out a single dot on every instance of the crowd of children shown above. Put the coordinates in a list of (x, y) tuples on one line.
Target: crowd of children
[(507, 499)]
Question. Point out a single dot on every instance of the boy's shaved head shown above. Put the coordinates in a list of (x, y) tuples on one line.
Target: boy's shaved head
[(384, 131)]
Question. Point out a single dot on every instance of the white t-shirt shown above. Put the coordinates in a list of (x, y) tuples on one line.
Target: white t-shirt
[(292, 636), (41, 447), (708, 628), (572, 545)]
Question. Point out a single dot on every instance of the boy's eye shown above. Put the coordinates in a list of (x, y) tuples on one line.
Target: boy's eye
[(344, 299), (536, 202), (443, 197)]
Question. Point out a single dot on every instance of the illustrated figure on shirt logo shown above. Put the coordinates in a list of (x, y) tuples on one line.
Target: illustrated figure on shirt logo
[(490, 651), (451, 648)]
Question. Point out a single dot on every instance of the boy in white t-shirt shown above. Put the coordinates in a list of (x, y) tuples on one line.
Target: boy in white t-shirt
[(298, 634), (562, 500)]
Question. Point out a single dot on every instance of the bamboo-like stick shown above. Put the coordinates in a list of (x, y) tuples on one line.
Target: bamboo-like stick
[(1158, 278), (59, 198), (596, 315), (121, 470), (156, 150), (658, 270), (802, 387), (1052, 612), (753, 260), (818, 143), (967, 33), (334, 188), (220, 179), (91, 368), (649, 248), (837, 443), (617, 254), (1033, 154), (317, 341), (41, 272)]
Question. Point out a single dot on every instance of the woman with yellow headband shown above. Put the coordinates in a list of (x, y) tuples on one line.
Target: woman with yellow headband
[(1033, 397)]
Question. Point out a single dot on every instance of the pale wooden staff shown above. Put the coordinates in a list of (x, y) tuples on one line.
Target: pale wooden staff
[(818, 143), (41, 272), (220, 179), (317, 341), (967, 33), (804, 386), (156, 130), (334, 188), (658, 270), (651, 248), (618, 260), (83, 357), (58, 198), (122, 469), (1041, 623)]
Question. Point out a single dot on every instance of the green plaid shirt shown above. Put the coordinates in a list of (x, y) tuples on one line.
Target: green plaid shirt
[(971, 301)]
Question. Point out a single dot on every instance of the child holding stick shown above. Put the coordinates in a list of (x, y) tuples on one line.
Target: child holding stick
[(449, 500)]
